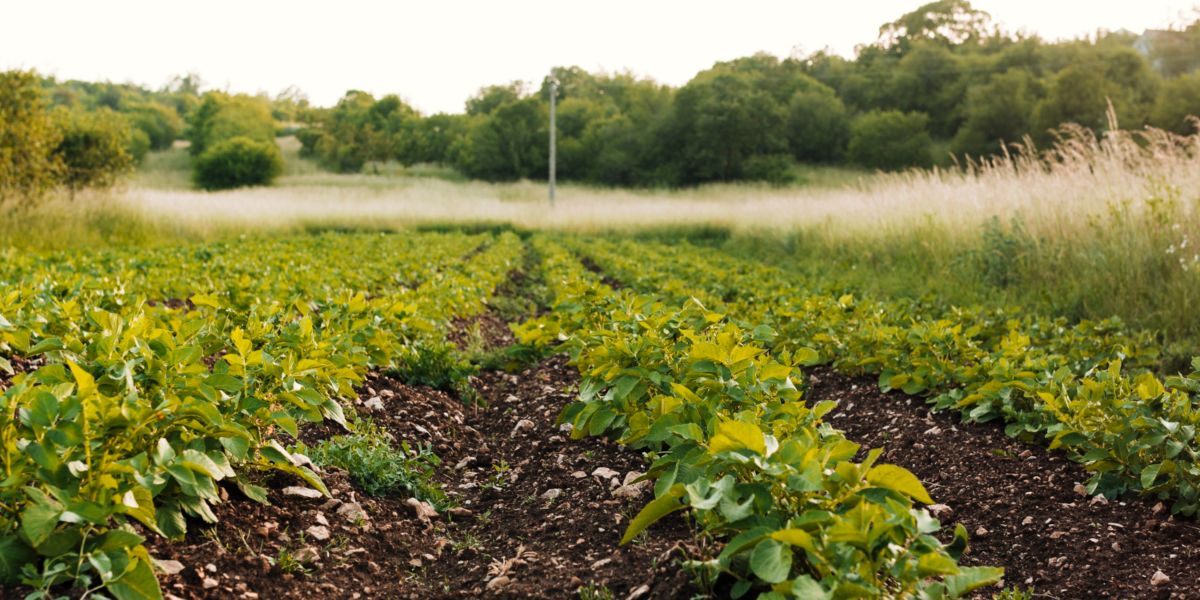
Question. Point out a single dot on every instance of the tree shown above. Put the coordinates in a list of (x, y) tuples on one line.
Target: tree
[(508, 143), (222, 116), (160, 123), (818, 126), (28, 166), (891, 140), (997, 112), (1077, 95), (928, 79), (1178, 100), (944, 22), (719, 120), (94, 147)]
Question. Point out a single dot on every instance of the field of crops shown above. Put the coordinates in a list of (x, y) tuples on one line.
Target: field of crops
[(481, 413)]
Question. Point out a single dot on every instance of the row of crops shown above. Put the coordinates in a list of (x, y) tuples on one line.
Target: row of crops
[(1088, 388), (140, 382), (168, 373)]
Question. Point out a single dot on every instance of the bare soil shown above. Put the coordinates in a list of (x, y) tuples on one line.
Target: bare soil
[(1020, 502)]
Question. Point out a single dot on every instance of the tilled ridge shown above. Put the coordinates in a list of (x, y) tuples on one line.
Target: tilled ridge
[(1024, 505)]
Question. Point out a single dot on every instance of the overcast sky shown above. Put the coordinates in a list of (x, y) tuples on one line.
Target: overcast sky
[(436, 54)]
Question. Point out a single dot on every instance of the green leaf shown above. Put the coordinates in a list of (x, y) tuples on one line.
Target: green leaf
[(771, 561), (138, 583), (899, 479), (736, 435), (84, 382), (972, 578), (806, 588), (38, 521), (13, 555), (795, 537), (655, 510)]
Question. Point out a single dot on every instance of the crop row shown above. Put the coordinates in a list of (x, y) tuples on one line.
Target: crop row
[(736, 445), (1085, 387), (165, 373)]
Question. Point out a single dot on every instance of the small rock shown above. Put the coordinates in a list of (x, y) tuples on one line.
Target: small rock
[(302, 492), (318, 532), (511, 398), (1026, 454), (498, 582), (627, 491), (169, 567), (1080, 489), (389, 394), (1157, 508), (459, 512), (423, 510), (638, 592), (981, 532), (1159, 579), (374, 403), (630, 476), (578, 474), (566, 427), (601, 563), (464, 463), (307, 554), (353, 512), (416, 562), (522, 426), (935, 430), (550, 494), (374, 567), (1027, 521), (604, 473), (211, 568), (321, 520), (1057, 534), (1116, 546), (940, 510), (209, 583), (1098, 500)]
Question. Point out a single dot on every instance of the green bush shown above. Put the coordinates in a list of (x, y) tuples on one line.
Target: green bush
[(222, 116), (27, 137), (94, 149), (160, 123), (379, 468), (237, 162), (891, 140), (775, 169)]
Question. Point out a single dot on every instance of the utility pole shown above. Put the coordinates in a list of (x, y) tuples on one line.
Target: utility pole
[(553, 149)]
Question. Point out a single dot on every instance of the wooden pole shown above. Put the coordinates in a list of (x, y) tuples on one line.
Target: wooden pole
[(553, 140)]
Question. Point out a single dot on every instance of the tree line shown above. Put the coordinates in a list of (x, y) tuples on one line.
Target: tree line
[(940, 82)]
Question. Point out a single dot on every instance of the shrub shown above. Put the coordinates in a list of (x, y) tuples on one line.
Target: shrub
[(776, 169), (27, 138), (221, 117), (891, 140), (237, 162), (94, 147), (818, 126), (160, 123)]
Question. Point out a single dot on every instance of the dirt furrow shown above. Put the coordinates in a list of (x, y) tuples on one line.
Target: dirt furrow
[(1021, 502)]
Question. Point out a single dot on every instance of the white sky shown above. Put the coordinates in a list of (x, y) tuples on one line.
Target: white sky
[(436, 54)]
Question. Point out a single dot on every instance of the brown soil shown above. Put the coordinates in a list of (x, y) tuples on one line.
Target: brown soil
[(591, 265), (19, 365), (485, 329), (1019, 501), (512, 537)]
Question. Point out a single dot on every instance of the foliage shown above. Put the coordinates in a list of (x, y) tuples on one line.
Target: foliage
[(1178, 104), (145, 408), (237, 162), (221, 116), (377, 466), (890, 140), (94, 147), (28, 165), (735, 444)]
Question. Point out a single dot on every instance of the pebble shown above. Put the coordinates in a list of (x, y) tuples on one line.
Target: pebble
[(318, 532), (353, 512), (604, 473), (498, 582), (551, 494), (209, 583), (423, 510), (169, 567), (307, 554), (301, 492), (522, 426), (1159, 579)]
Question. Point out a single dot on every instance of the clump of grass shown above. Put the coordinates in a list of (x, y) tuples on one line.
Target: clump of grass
[(377, 466)]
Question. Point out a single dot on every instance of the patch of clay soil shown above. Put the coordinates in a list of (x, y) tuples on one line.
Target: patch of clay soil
[(1020, 501)]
